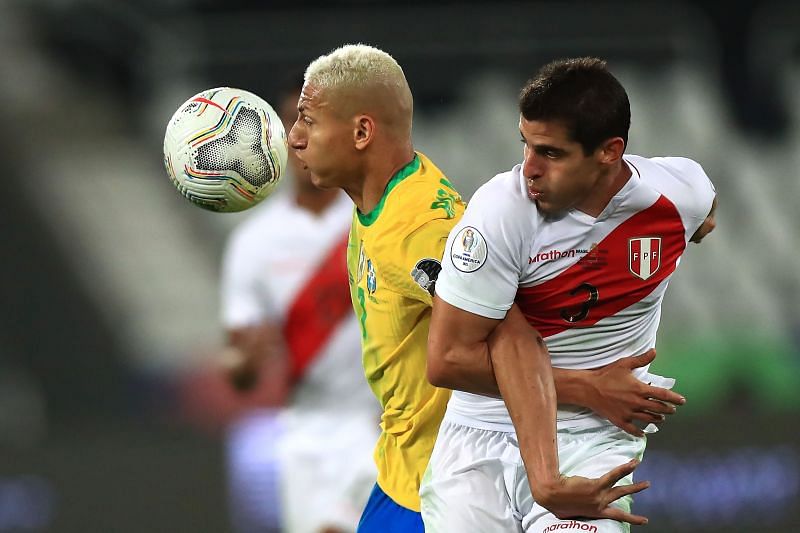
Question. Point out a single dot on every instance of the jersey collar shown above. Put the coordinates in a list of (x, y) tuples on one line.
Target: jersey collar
[(403, 173)]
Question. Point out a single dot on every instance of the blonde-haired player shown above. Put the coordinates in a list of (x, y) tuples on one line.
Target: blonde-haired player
[(354, 132)]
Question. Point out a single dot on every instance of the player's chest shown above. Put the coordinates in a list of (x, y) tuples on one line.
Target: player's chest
[(286, 266), (362, 270), (631, 245), (578, 274), (282, 274)]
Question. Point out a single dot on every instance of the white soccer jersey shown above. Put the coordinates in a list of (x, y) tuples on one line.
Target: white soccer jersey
[(592, 287), (317, 450), (269, 259)]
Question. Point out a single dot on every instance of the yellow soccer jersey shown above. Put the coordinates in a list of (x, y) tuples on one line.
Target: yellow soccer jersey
[(392, 260)]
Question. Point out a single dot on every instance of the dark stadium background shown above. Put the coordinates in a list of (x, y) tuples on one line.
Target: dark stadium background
[(110, 416)]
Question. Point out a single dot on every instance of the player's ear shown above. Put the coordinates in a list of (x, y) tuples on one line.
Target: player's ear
[(364, 131), (611, 150)]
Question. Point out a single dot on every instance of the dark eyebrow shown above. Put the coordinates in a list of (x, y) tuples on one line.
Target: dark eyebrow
[(541, 148)]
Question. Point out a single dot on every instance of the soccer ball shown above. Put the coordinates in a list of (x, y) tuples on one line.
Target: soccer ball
[(225, 149)]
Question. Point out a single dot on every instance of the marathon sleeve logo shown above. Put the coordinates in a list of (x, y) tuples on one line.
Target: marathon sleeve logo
[(425, 274), (644, 256), (468, 251)]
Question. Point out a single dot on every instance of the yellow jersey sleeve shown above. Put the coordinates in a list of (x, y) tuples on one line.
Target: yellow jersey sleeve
[(419, 251), (422, 255)]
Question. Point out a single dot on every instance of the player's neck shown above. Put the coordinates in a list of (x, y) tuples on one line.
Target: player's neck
[(607, 187), (316, 201), (377, 176)]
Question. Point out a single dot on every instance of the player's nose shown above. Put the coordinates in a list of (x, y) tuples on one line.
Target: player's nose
[(297, 139), (532, 167)]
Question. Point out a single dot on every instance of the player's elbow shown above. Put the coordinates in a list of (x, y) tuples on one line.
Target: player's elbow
[(441, 363), (436, 371)]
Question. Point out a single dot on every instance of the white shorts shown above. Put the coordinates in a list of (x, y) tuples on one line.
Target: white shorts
[(476, 480), (324, 463)]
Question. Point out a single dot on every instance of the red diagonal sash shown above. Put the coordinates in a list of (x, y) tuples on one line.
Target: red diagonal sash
[(606, 271), (317, 310)]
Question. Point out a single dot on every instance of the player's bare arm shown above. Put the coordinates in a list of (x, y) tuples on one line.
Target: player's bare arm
[(611, 391), (529, 396), (521, 366), (458, 351), (254, 353)]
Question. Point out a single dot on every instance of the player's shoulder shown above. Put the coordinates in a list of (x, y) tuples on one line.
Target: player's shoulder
[(430, 191), (499, 215), (681, 179), (408, 234), (505, 190), (681, 168), (423, 195), (666, 172), (502, 204)]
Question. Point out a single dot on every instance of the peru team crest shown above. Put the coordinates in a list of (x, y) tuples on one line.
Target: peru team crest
[(644, 256)]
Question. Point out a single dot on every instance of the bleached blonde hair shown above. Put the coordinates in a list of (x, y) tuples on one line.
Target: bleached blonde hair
[(355, 65), (374, 74)]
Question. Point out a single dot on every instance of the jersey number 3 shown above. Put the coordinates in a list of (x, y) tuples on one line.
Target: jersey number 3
[(593, 294)]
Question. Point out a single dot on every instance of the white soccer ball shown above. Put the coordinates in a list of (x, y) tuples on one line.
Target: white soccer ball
[(225, 149)]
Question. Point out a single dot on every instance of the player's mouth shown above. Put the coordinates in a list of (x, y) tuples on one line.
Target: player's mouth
[(534, 194)]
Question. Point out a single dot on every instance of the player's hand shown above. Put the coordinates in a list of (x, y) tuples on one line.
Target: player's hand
[(621, 398), (241, 371), (255, 360), (574, 497)]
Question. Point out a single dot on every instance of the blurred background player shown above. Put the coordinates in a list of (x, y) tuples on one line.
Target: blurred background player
[(300, 462)]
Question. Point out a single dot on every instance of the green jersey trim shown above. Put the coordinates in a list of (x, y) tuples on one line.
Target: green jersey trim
[(403, 173)]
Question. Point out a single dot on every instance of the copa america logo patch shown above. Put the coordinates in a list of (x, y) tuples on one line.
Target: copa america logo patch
[(468, 251)]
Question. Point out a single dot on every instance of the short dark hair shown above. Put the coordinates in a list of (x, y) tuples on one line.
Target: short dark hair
[(583, 95)]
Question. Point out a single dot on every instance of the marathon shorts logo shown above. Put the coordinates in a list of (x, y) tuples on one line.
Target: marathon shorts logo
[(644, 256), (572, 525), (468, 251)]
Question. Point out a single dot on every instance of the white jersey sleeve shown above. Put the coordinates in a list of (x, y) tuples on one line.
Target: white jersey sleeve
[(482, 260), (690, 189), (243, 300)]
